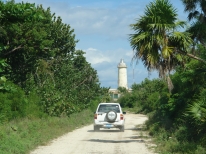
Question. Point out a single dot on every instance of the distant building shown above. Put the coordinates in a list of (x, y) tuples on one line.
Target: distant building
[(122, 80), (122, 74), (114, 94)]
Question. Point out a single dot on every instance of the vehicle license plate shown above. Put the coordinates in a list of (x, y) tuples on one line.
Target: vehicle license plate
[(108, 125)]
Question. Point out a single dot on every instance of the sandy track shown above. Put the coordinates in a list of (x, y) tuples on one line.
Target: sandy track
[(107, 141)]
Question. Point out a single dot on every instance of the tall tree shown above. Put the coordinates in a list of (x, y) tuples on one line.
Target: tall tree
[(31, 33), (196, 10), (24, 37), (157, 41), (40, 51), (67, 84)]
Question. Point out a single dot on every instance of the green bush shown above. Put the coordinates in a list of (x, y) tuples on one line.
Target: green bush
[(15, 104), (20, 136), (93, 105), (12, 102), (128, 100)]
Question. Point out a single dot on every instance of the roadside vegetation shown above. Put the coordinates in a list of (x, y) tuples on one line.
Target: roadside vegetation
[(175, 103), (24, 135), (47, 87), (176, 120)]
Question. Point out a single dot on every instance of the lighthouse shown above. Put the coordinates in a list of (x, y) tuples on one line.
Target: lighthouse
[(122, 74)]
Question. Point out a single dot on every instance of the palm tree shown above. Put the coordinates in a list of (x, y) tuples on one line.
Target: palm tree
[(197, 14), (157, 41)]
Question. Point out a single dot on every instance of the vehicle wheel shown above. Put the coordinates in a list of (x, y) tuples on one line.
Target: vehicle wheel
[(122, 129), (96, 128), (111, 116)]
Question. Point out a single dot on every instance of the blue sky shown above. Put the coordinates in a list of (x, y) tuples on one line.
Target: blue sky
[(102, 28)]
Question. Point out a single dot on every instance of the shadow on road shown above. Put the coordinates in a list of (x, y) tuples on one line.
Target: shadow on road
[(117, 130), (138, 137), (135, 129), (105, 130), (115, 141)]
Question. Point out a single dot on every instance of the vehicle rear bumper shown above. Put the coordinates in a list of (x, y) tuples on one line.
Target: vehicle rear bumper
[(109, 125)]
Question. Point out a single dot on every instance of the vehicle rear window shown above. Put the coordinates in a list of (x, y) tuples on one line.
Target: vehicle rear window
[(109, 107)]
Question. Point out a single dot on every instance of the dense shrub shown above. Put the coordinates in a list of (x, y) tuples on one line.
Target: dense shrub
[(177, 118), (15, 104)]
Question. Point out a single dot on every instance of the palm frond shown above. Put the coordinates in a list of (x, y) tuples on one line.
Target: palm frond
[(167, 51), (198, 31), (179, 24), (189, 5), (197, 111), (181, 40)]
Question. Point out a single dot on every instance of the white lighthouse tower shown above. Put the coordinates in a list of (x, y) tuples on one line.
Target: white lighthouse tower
[(122, 74)]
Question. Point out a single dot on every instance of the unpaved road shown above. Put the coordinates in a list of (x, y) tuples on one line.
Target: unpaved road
[(107, 141)]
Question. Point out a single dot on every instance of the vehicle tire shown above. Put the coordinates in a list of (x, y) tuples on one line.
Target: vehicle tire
[(111, 116), (122, 129), (96, 128)]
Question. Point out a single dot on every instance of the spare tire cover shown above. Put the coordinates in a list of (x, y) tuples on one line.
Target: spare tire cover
[(111, 116)]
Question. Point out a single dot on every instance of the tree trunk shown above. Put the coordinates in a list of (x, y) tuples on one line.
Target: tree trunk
[(193, 56)]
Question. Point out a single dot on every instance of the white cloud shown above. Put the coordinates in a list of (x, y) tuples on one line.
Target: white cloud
[(101, 20), (94, 56), (108, 22)]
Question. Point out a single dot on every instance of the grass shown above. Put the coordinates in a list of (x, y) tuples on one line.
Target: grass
[(169, 144), (173, 146), (163, 143), (23, 135)]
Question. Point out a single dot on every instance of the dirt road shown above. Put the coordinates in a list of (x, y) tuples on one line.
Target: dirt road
[(107, 141)]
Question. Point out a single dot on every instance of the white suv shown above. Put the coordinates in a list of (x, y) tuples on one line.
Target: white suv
[(109, 115)]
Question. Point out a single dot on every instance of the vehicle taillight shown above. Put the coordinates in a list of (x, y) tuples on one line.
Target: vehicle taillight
[(121, 117), (95, 116)]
